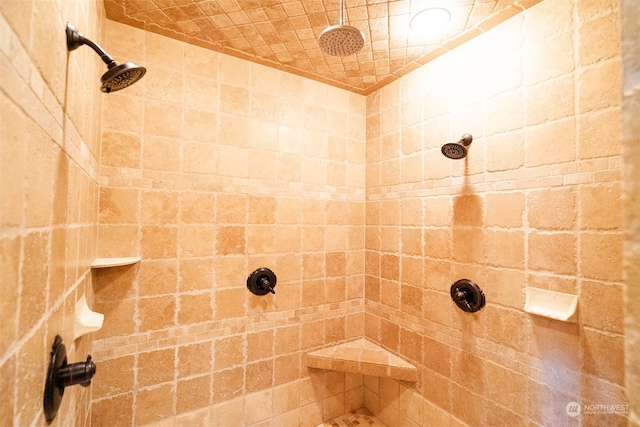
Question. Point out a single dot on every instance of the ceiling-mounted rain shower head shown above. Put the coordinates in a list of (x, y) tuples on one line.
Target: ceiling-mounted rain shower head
[(457, 150), (341, 40), (119, 76)]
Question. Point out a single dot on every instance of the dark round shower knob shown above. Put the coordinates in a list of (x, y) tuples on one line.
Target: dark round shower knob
[(61, 374), (262, 281), (467, 295)]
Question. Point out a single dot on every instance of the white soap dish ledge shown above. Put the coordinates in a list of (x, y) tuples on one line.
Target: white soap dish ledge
[(86, 320), (552, 304), (114, 262)]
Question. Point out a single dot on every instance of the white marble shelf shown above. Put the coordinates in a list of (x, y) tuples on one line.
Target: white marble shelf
[(552, 304), (114, 262)]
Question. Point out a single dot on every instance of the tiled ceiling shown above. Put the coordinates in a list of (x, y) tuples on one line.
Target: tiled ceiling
[(284, 33)]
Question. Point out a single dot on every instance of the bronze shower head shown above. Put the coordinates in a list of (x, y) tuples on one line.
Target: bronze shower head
[(457, 150), (119, 76)]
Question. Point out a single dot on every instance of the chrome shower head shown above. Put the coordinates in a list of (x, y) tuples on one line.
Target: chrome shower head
[(341, 40), (457, 150), (119, 76)]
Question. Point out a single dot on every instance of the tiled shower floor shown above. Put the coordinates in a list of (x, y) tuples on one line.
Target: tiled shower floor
[(359, 418)]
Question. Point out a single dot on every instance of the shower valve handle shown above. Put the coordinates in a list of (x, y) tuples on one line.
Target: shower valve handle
[(76, 373), (264, 283), (462, 296), (467, 295), (61, 374)]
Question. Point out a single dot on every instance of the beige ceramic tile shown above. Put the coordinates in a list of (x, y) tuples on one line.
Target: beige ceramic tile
[(154, 404)]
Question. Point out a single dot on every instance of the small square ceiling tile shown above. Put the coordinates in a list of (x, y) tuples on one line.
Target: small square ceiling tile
[(293, 8)]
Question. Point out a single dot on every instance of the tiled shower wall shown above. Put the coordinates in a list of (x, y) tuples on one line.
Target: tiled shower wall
[(212, 167), (49, 144), (630, 19), (537, 202)]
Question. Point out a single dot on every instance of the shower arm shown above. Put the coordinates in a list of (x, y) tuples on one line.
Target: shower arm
[(75, 40)]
